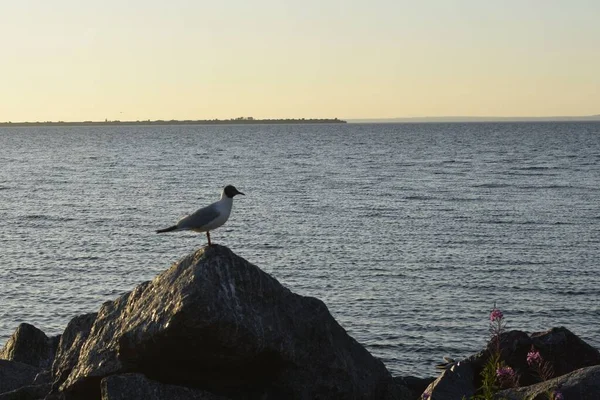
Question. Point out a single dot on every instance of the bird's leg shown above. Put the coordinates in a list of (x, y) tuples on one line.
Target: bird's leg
[(208, 236)]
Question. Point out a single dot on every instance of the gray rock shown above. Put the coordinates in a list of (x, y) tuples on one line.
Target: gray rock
[(138, 387), (561, 348), (214, 321), (457, 382), (71, 341), (30, 345), (582, 384), (564, 350), (33, 392), (14, 375)]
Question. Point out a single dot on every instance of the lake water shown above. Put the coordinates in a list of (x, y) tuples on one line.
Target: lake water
[(408, 232)]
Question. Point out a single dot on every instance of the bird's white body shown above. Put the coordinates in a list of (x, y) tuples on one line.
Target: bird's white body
[(222, 209), (208, 218)]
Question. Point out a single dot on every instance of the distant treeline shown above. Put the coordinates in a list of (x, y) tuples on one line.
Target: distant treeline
[(241, 120)]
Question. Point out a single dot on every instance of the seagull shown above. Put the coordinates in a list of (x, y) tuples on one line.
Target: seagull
[(208, 218)]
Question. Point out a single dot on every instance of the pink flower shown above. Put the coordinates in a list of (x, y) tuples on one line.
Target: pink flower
[(505, 373), (558, 395), (496, 315), (534, 357), (506, 377)]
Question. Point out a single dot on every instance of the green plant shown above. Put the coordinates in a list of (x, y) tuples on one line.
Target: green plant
[(496, 374)]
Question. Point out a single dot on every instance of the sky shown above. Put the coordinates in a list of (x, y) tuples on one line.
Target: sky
[(74, 60)]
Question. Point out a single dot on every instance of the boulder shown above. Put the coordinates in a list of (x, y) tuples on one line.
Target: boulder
[(581, 384), (14, 375), (71, 341), (564, 350), (559, 347), (214, 321), (138, 387), (29, 345)]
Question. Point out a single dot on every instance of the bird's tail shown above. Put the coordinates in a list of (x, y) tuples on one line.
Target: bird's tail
[(169, 229)]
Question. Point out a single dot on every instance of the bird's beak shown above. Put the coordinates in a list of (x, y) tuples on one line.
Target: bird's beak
[(240, 193)]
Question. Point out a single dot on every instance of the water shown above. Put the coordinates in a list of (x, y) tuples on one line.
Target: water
[(409, 233)]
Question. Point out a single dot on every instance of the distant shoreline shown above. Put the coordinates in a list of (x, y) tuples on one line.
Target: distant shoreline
[(252, 121), (237, 121)]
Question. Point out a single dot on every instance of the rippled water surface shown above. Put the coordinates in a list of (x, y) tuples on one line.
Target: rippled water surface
[(409, 233)]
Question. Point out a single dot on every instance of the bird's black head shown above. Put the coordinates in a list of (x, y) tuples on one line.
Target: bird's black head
[(231, 191)]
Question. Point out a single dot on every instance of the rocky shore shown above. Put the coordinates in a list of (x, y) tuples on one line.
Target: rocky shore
[(214, 326)]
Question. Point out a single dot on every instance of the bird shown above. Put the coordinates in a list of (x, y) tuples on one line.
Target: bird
[(208, 218)]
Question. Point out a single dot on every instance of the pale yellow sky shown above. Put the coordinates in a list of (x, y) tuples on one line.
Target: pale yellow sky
[(72, 60)]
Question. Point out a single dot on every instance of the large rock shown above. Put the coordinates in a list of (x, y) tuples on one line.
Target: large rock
[(14, 375), (216, 322), (29, 345), (71, 341), (562, 349), (138, 387), (582, 384), (559, 347)]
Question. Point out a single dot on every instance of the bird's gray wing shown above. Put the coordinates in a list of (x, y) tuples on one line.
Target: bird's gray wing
[(199, 218)]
